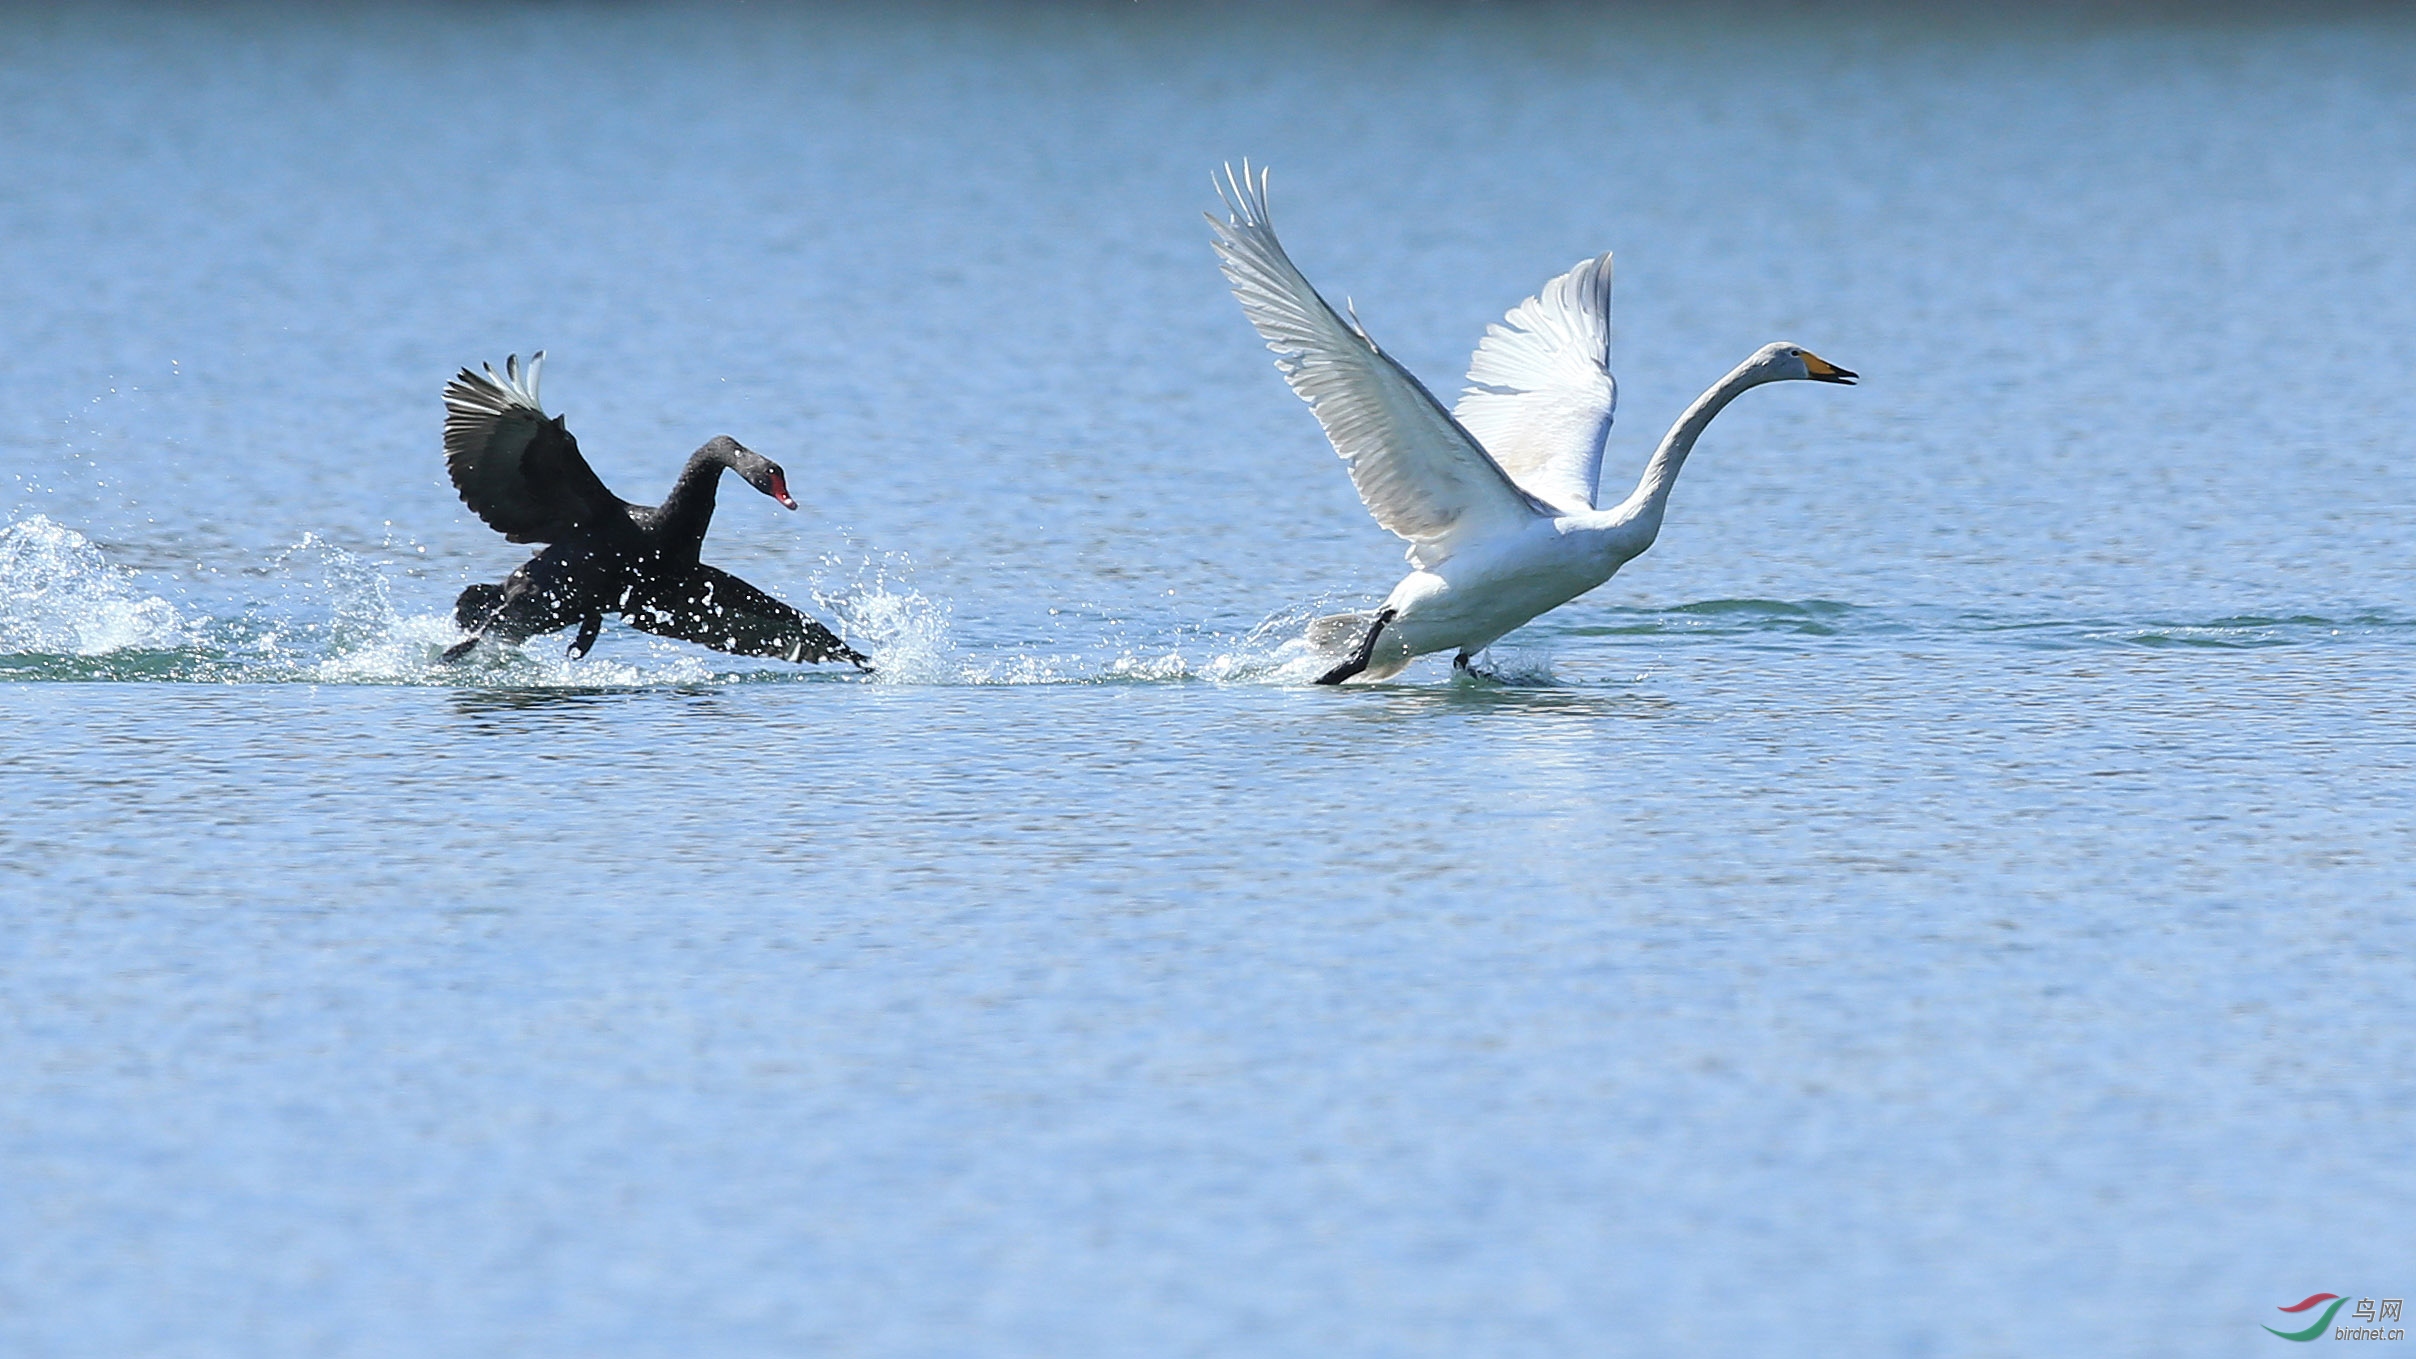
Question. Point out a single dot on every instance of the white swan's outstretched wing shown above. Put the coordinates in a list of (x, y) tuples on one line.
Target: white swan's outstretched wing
[(1540, 393), (1418, 472)]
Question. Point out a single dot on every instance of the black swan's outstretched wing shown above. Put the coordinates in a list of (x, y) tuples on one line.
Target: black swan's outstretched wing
[(714, 608), (516, 469)]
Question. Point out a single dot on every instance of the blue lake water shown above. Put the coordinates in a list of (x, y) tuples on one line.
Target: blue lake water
[(1951, 897)]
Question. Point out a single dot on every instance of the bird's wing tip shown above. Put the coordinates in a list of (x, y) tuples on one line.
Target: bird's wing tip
[(1245, 195), (487, 392)]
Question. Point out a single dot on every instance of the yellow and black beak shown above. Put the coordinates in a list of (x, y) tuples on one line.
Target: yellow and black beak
[(1824, 371)]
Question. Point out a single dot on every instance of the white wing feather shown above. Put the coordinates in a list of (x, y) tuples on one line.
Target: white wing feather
[(1417, 471), (1540, 393)]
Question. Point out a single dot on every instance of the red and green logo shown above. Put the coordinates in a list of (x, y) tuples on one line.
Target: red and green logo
[(2320, 1322)]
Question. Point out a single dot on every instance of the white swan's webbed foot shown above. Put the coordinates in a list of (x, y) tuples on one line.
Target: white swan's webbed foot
[(1465, 664), (1360, 658)]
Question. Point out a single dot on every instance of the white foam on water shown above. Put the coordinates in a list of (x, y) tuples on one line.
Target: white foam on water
[(330, 618), (335, 622), (1170, 666), (1517, 667), (543, 663), (338, 618), (60, 595), (1287, 648), (906, 635), (1282, 649)]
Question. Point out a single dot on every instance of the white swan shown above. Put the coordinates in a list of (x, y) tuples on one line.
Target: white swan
[(1497, 496)]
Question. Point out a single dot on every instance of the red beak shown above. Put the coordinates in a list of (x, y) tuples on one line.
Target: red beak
[(780, 491)]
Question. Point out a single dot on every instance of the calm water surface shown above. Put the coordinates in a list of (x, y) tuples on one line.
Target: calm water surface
[(1950, 898)]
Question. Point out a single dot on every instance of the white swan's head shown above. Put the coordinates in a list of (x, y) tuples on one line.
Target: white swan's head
[(1784, 362)]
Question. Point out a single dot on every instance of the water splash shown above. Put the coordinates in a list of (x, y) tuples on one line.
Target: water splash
[(1289, 647), (60, 595), (1281, 649), (910, 637), (906, 634), (1512, 667)]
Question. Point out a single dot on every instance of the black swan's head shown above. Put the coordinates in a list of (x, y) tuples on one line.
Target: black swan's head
[(761, 472)]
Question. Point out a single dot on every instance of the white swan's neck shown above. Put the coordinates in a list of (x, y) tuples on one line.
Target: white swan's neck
[(1642, 510)]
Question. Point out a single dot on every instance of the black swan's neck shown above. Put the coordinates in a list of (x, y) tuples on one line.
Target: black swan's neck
[(687, 512)]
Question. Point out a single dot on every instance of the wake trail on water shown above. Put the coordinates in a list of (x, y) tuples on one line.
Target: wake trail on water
[(321, 614)]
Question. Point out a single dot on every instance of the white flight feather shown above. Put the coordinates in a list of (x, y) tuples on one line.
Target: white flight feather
[(1418, 472), (1540, 394)]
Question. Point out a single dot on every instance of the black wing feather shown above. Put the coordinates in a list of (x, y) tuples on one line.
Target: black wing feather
[(711, 607), (517, 470)]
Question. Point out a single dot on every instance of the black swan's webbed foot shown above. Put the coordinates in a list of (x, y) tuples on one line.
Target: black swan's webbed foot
[(1360, 658), (460, 649), (588, 628)]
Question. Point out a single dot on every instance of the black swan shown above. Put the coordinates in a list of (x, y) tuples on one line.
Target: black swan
[(521, 472)]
